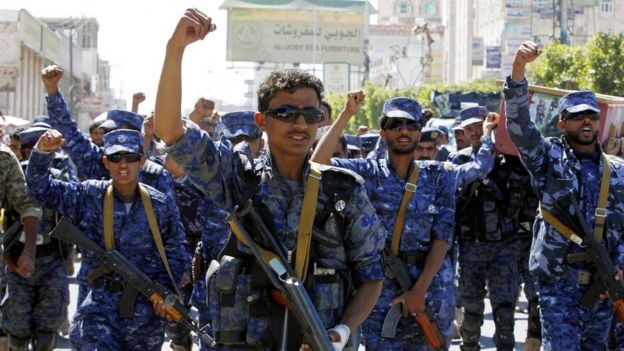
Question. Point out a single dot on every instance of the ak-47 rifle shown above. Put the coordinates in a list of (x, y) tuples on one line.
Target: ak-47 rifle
[(135, 280), (603, 279), (426, 322), (282, 277)]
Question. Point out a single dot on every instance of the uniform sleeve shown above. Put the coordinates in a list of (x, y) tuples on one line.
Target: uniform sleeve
[(360, 166), (479, 168), (60, 196), (524, 134), (85, 154), (204, 161), (15, 185), (364, 240), (175, 243), (444, 220)]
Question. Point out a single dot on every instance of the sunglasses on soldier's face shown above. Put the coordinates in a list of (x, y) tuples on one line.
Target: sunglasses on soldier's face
[(397, 125), (581, 115), (290, 114), (129, 157)]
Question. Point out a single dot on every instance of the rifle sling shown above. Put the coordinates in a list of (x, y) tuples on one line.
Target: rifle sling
[(600, 213), (109, 238), (410, 189), (306, 221)]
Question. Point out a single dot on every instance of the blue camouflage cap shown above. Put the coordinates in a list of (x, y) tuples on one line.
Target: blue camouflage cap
[(41, 121), (472, 115), (429, 134), (368, 142), (116, 119), (402, 107), (578, 101), (240, 123), (29, 137), (123, 140), (353, 142), (457, 124)]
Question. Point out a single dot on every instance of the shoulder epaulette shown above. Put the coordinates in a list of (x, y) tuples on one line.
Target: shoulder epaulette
[(343, 174)]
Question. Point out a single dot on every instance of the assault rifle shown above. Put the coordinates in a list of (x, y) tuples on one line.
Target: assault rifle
[(603, 279), (430, 329), (135, 281), (281, 276)]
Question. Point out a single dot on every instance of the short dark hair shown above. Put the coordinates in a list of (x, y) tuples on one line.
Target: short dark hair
[(93, 125), (15, 133), (326, 104), (289, 80)]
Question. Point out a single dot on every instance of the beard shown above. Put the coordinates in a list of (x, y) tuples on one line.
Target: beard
[(576, 137), (401, 150)]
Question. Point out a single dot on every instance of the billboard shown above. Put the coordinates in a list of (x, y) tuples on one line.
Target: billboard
[(336, 77), (291, 36)]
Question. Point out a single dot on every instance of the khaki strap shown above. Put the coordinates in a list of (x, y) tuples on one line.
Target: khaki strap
[(109, 240), (601, 210), (267, 255), (600, 214), (410, 189), (306, 221)]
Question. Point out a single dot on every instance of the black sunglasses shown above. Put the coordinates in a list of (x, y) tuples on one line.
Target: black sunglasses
[(290, 114), (581, 115), (129, 157), (397, 125)]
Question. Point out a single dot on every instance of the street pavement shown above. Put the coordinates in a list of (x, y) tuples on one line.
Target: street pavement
[(487, 331)]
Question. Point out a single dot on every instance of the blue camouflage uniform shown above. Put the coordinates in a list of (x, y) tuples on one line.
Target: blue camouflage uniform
[(97, 324), (556, 169), (33, 308), (225, 175), (485, 233), (429, 217), (87, 156)]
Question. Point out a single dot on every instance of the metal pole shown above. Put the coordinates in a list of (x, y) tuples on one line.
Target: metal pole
[(563, 22), (71, 68), (314, 45)]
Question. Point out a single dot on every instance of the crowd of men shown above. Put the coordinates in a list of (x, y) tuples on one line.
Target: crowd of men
[(386, 237)]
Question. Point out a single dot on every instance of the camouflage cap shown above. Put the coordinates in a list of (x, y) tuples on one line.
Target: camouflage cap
[(444, 130), (30, 136), (116, 119), (41, 121), (353, 142), (457, 124), (368, 141), (402, 107), (472, 115), (429, 135), (578, 101), (123, 140), (240, 123)]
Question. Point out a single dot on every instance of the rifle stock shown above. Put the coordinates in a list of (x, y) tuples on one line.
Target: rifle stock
[(135, 279), (282, 278), (604, 279)]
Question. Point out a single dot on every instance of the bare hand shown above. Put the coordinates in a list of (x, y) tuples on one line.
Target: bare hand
[(619, 276), (193, 26), (173, 167), (26, 264), (50, 141), (333, 337), (490, 123), (148, 126), (526, 53), (50, 77), (355, 99), (413, 302), (203, 109), (138, 98)]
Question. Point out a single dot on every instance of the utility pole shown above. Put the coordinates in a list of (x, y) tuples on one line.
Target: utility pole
[(563, 22)]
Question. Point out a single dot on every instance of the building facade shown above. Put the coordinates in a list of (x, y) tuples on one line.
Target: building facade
[(27, 44)]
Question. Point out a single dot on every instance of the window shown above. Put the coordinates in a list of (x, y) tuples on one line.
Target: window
[(606, 6), (403, 8), (428, 9), (541, 4), (514, 3)]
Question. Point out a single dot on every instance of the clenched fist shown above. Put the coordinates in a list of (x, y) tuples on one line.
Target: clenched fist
[(50, 77), (50, 141)]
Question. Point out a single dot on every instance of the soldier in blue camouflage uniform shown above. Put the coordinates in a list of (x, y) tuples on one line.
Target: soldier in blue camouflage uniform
[(86, 154), (34, 307), (13, 196), (274, 181), (557, 166), (428, 229), (485, 230), (97, 324)]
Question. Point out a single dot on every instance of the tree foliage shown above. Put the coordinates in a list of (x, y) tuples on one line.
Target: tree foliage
[(595, 66), (376, 95)]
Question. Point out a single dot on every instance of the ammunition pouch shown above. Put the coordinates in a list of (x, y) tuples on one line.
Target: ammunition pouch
[(415, 258)]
